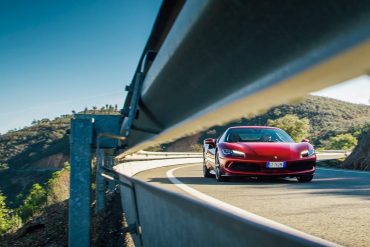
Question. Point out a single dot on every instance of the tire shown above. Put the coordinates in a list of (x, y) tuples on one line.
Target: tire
[(206, 172), (305, 179), (218, 172)]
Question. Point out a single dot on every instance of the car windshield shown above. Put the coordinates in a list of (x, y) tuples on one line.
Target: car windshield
[(257, 135)]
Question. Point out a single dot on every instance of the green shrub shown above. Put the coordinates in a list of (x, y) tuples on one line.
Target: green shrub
[(33, 203), (342, 142), (8, 220), (358, 131), (295, 127)]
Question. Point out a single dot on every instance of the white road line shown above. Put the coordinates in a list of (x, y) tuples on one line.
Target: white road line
[(240, 212)]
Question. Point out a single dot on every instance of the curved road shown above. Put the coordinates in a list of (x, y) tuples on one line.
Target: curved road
[(334, 206)]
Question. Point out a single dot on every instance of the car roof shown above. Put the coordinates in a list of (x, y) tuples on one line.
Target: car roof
[(253, 127)]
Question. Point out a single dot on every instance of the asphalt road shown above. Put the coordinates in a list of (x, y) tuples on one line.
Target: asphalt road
[(335, 206)]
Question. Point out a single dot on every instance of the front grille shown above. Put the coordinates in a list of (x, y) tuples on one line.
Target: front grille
[(300, 165), (244, 167), (292, 166)]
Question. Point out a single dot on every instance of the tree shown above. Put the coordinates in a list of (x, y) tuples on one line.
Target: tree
[(295, 127), (357, 131), (8, 220), (4, 215), (277, 112), (342, 142), (33, 203)]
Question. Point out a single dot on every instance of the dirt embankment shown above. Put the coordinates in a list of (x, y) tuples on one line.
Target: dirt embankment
[(54, 161), (184, 144)]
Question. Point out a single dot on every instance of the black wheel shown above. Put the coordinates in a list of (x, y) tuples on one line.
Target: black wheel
[(206, 172), (218, 172), (305, 179)]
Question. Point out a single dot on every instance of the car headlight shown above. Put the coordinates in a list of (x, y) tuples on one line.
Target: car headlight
[(308, 153), (233, 153)]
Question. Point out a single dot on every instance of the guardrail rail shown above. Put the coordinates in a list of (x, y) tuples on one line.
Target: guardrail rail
[(157, 217), (207, 63)]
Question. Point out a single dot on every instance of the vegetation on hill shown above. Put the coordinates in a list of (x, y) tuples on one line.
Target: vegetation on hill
[(8, 220), (45, 217), (31, 155), (34, 201), (326, 117), (342, 142), (295, 127), (22, 148), (39, 197)]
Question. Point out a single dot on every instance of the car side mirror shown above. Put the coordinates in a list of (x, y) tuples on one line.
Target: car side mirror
[(305, 140), (210, 141)]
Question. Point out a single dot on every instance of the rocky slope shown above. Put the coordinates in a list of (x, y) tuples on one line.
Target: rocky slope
[(359, 159)]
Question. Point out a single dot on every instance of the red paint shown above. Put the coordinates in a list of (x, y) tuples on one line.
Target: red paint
[(257, 154)]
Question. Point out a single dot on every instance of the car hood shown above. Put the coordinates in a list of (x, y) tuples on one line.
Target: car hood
[(270, 151)]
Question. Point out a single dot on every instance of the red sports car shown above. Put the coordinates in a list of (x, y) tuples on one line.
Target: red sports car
[(257, 151)]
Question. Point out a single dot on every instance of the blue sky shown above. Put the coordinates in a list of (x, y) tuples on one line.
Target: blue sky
[(356, 90), (59, 56)]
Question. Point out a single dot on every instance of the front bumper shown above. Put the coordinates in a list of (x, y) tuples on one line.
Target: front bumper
[(259, 168)]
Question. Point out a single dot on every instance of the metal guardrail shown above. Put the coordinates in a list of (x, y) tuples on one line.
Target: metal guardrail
[(158, 217), (220, 60), (146, 155), (209, 62), (172, 154), (334, 151)]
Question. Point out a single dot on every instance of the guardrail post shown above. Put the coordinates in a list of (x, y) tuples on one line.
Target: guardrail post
[(101, 184), (80, 185), (109, 162)]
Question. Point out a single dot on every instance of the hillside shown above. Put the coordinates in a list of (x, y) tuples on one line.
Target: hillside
[(30, 155), (328, 117)]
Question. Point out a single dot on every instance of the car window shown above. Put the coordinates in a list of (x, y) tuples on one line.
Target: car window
[(258, 135)]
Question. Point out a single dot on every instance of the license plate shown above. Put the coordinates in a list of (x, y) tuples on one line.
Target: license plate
[(274, 164)]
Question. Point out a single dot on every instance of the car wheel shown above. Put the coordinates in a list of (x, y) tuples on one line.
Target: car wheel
[(305, 179), (206, 172), (218, 172)]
